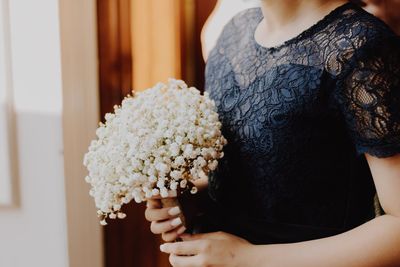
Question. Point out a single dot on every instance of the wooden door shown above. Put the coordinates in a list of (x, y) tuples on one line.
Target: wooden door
[(128, 242)]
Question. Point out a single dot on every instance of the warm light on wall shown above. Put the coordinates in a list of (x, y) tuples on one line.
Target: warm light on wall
[(155, 41)]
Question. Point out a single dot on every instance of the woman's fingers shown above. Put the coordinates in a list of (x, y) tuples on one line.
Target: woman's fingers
[(184, 261), (153, 204), (173, 235), (184, 248), (165, 221), (157, 214), (211, 236), (158, 227), (171, 194)]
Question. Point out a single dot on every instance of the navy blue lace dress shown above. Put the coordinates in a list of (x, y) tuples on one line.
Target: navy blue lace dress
[(298, 119)]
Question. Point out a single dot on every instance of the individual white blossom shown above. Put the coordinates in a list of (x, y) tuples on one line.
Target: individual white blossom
[(157, 141)]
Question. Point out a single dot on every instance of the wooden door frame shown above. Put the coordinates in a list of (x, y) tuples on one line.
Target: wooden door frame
[(80, 119)]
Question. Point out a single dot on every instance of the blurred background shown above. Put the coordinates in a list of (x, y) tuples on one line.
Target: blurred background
[(63, 65)]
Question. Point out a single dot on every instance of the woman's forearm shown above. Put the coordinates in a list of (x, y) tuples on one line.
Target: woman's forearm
[(373, 244)]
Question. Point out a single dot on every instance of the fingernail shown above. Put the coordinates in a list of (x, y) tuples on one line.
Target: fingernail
[(174, 211), (162, 247), (181, 230), (176, 222)]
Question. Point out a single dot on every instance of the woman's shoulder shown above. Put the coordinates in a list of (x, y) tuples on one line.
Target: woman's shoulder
[(241, 25), (355, 37), (363, 29), (248, 14)]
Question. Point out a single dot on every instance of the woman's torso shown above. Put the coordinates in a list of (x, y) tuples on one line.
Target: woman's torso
[(291, 171)]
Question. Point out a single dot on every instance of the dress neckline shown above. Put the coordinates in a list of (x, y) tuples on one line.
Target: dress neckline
[(307, 32)]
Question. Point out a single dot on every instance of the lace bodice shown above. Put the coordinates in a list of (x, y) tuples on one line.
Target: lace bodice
[(298, 118)]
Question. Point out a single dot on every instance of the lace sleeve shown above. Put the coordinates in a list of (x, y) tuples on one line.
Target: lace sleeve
[(369, 98)]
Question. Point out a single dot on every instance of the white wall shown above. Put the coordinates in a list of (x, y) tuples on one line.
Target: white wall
[(7, 128), (5, 164), (35, 232)]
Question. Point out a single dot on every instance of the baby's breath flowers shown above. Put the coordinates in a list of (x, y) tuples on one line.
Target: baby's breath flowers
[(157, 142)]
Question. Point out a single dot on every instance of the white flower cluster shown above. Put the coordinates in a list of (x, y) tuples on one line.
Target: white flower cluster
[(157, 141)]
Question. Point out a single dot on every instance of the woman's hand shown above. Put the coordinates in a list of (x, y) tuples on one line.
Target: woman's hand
[(214, 249), (164, 221)]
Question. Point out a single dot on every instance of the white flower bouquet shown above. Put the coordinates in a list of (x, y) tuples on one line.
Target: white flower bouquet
[(157, 142)]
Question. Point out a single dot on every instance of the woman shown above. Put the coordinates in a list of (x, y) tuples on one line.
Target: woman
[(308, 93)]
